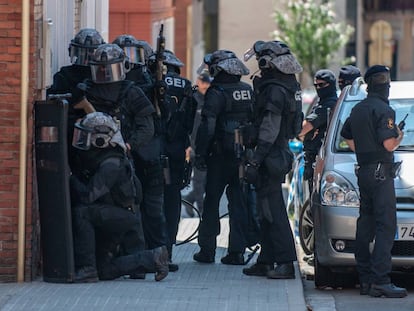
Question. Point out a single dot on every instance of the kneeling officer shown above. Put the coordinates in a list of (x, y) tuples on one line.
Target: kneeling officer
[(105, 196)]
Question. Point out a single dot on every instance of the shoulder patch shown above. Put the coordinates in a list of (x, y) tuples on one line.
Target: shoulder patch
[(390, 123)]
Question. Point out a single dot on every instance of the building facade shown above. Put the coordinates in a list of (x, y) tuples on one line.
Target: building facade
[(36, 36)]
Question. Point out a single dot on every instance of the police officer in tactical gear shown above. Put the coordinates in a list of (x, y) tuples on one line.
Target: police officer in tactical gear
[(109, 92), (371, 132), (198, 180), (147, 158), (278, 102), (228, 106), (314, 126), (106, 193), (138, 53), (347, 75), (181, 108), (81, 49)]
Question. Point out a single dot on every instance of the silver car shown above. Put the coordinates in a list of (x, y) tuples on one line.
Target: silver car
[(335, 199)]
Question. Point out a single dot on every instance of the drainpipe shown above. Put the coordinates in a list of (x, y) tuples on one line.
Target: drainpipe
[(24, 86), (360, 44)]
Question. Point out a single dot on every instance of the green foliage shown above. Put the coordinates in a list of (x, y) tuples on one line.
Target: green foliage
[(310, 30)]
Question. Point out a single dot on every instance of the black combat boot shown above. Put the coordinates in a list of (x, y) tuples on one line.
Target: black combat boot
[(387, 290), (258, 269), (87, 274), (283, 271), (364, 288), (204, 256), (161, 262), (233, 259), (138, 274)]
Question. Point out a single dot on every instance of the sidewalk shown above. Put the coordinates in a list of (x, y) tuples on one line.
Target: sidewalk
[(195, 286)]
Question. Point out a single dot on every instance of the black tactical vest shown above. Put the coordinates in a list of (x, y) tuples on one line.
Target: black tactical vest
[(292, 113), (238, 112)]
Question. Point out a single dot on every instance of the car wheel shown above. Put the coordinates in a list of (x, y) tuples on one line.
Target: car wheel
[(306, 230)]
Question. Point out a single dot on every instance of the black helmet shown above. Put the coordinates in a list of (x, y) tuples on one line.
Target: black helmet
[(83, 45), (274, 54), (99, 130), (148, 51), (171, 59), (132, 49), (108, 64), (224, 60)]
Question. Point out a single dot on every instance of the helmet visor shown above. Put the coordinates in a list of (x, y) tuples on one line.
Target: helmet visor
[(80, 55), (107, 73), (203, 66), (136, 55), (248, 54), (81, 137)]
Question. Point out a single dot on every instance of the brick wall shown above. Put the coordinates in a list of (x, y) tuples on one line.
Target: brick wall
[(10, 75), (181, 27), (10, 66), (136, 17)]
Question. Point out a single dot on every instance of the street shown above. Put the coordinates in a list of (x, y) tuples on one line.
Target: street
[(349, 299)]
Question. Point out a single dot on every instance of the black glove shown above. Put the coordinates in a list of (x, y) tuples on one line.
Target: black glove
[(200, 162), (251, 172), (262, 150)]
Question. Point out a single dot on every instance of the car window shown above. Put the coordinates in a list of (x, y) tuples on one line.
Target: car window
[(405, 107), (402, 107), (340, 143)]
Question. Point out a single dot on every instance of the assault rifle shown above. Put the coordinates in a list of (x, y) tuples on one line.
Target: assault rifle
[(239, 152), (159, 72), (242, 155)]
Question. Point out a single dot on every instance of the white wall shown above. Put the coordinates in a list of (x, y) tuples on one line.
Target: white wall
[(59, 27), (243, 22)]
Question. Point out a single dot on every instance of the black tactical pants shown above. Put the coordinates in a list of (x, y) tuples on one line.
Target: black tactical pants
[(309, 157), (151, 176), (111, 266), (115, 224), (276, 238), (172, 200), (377, 220), (222, 171)]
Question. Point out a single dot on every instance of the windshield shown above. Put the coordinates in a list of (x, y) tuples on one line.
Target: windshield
[(402, 107)]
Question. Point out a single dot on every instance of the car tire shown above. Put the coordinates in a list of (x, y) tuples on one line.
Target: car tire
[(306, 229)]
